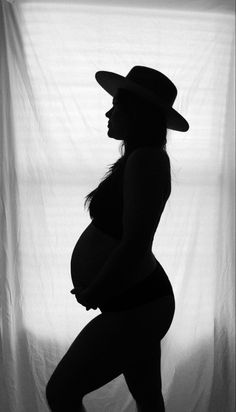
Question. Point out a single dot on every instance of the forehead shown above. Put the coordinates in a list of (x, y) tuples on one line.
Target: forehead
[(121, 96), (117, 97)]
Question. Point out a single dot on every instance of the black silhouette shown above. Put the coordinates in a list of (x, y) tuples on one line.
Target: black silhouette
[(112, 266)]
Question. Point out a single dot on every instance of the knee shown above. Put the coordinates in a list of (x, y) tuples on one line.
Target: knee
[(52, 396), (62, 399)]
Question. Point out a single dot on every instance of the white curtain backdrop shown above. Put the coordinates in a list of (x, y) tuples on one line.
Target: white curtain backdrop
[(54, 150)]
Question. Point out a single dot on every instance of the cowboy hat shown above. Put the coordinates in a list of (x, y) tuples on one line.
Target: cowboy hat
[(150, 84)]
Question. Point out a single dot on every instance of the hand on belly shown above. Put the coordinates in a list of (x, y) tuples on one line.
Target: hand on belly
[(80, 295)]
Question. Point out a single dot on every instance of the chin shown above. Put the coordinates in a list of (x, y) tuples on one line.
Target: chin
[(113, 136)]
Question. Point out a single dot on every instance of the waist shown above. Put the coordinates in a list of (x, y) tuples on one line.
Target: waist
[(153, 286)]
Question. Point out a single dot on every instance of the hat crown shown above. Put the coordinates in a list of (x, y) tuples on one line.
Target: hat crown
[(155, 82)]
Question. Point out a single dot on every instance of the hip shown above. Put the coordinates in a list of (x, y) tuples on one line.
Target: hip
[(154, 286)]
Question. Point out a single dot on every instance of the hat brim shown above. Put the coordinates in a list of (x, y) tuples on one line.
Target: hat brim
[(111, 82)]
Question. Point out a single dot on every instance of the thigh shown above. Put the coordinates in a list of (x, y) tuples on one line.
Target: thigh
[(93, 359)]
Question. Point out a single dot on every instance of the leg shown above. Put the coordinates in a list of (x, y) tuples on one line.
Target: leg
[(93, 359), (110, 344), (143, 371), (143, 379)]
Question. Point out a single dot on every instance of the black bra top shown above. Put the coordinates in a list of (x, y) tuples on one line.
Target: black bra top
[(106, 207)]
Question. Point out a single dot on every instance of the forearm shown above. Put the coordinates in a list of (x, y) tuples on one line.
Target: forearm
[(118, 273)]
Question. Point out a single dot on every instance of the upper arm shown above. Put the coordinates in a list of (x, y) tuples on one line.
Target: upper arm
[(145, 182)]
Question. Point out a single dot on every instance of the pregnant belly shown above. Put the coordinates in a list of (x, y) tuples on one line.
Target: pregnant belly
[(90, 254)]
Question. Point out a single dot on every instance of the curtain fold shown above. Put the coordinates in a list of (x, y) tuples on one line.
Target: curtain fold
[(54, 150), (8, 247)]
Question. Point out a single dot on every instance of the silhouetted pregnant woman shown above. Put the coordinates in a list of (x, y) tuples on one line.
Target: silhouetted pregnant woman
[(113, 267)]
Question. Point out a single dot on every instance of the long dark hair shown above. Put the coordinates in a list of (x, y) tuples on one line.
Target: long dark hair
[(147, 128)]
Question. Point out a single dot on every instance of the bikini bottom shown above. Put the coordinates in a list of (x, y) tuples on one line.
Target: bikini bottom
[(154, 286)]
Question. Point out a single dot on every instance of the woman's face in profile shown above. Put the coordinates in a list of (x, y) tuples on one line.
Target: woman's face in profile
[(128, 117), (118, 125)]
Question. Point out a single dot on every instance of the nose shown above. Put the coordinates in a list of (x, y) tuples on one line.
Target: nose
[(108, 114)]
